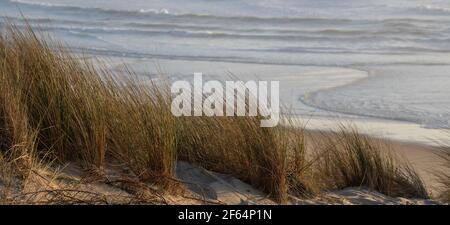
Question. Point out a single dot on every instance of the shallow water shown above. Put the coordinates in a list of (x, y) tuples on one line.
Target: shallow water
[(357, 60)]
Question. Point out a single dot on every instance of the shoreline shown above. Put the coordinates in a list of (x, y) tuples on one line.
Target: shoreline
[(397, 131), (316, 118)]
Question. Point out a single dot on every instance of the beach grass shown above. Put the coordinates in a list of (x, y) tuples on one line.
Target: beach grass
[(444, 178), (263, 157), (349, 159), (80, 112), (56, 107)]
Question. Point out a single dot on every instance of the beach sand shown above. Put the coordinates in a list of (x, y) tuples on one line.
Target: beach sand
[(202, 186)]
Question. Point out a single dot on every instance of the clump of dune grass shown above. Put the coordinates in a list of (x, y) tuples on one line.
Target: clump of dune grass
[(75, 111), (141, 129), (239, 146), (60, 95), (16, 136), (444, 177), (349, 159), (6, 179), (17, 139)]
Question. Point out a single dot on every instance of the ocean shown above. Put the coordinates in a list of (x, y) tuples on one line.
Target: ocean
[(382, 64)]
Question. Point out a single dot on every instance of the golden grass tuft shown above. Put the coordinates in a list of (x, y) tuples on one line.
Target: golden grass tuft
[(72, 110), (141, 129), (349, 159), (264, 157), (6, 179), (444, 178)]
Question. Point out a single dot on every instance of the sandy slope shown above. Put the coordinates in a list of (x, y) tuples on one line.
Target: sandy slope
[(117, 185), (72, 185), (224, 189)]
